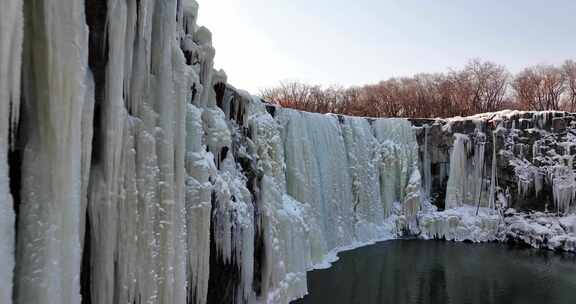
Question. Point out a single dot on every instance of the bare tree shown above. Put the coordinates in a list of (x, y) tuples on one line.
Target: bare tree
[(525, 86), (489, 83), (540, 87), (569, 69), (481, 86), (553, 86)]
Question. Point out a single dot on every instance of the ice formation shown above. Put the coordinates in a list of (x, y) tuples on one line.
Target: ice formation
[(55, 77), (11, 20), (493, 174), (426, 162), (350, 171), (136, 174), (564, 188), (466, 178), (461, 224), (541, 230)]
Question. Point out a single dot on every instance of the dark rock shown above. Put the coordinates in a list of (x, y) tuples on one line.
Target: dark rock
[(529, 138), (559, 124)]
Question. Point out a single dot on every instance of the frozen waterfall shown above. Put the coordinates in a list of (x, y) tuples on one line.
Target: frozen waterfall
[(132, 172)]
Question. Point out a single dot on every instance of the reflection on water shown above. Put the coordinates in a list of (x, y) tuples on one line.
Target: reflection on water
[(412, 271)]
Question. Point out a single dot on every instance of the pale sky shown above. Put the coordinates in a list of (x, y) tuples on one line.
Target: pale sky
[(262, 42)]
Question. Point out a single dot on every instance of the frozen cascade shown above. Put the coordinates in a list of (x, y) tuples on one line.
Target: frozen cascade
[(287, 224), (368, 158), (493, 174), (317, 173), (398, 150), (426, 166), (200, 168), (465, 183), (363, 162), (372, 164), (11, 22)]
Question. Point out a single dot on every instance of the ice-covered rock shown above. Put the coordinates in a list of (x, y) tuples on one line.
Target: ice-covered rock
[(541, 230), (461, 224)]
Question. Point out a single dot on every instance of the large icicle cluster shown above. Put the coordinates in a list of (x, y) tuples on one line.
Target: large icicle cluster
[(350, 170), (319, 189), (140, 176), (111, 178)]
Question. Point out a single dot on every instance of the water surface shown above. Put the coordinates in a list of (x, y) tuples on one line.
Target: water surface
[(413, 271)]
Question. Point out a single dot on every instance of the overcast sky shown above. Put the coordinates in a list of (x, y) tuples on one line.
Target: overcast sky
[(262, 42)]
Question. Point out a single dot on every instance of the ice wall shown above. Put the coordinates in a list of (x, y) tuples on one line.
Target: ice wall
[(352, 173), (314, 185)]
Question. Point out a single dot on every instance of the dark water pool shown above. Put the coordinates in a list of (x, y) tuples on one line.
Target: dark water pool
[(412, 271)]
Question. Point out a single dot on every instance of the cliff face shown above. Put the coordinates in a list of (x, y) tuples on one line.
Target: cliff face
[(131, 172), (527, 156)]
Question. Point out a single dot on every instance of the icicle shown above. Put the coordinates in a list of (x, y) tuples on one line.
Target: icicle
[(200, 167), (427, 165), (49, 249), (493, 178), (11, 37), (412, 201), (107, 172), (11, 22), (564, 188), (535, 150), (287, 224), (203, 38), (527, 176), (567, 158), (478, 165), (138, 185), (465, 183), (457, 189), (233, 220), (189, 16)]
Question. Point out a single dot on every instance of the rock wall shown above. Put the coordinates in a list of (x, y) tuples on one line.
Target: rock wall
[(528, 156), (131, 172)]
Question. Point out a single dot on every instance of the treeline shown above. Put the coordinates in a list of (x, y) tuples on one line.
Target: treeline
[(479, 87)]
